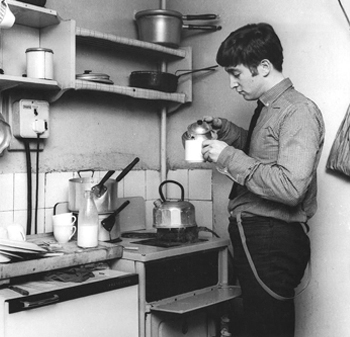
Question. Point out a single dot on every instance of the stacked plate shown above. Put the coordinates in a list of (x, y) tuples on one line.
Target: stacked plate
[(11, 251)]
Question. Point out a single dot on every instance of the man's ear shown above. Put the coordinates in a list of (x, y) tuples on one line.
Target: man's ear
[(265, 67)]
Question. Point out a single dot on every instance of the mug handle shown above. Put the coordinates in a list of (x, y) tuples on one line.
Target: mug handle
[(74, 229), (74, 219)]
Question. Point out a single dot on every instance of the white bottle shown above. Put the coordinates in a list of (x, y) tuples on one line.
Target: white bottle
[(88, 222)]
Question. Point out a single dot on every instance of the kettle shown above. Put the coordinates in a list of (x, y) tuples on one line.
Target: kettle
[(173, 214)]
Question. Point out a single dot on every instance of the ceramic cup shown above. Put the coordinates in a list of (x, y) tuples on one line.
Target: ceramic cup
[(193, 150), (7, 19), (64, 219), (16, 232), (3, 233), (63, 233)]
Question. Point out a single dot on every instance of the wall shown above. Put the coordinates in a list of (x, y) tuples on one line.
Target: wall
[(316, 41)]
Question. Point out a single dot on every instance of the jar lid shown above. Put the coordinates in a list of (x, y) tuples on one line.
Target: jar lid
[(39, 49)]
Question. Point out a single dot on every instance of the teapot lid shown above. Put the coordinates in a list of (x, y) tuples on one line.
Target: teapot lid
[(199, 128)]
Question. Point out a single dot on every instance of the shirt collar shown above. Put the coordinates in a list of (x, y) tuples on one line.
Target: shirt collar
[(271, 95)]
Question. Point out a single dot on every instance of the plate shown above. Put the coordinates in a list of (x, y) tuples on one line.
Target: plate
[(8, 254), (4, 259), (24, 245)]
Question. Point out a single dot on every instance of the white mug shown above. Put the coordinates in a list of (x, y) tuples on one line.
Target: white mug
[(63, 233), (193, 150), (64, 219), (16, 232), (7, 19)]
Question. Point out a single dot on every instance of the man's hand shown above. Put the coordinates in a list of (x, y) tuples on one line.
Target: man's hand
[(211, 149)]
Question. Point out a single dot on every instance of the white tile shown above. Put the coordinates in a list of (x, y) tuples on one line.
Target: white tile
[(200, 184), (152, 185), (134, 184), (172, 191), (57, 187), (6, 218), (20, 217), (149, 214), (6, 195), (204, 215), (20, 191), (48, 220)]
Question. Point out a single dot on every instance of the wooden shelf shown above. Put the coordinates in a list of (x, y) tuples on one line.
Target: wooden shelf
[(130, 91), (116, 42), (33, 16), (7, 81)]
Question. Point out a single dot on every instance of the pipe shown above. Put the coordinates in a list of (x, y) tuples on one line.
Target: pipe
[(162, 4), (163, 125)]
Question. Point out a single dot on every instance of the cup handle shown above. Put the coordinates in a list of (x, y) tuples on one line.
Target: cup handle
[(74, 219), (23, 236), (74, 229)]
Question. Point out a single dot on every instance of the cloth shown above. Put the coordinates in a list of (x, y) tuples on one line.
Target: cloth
[(339, 157), (280, 252), (78, 274), (252, 125), (278, 177)]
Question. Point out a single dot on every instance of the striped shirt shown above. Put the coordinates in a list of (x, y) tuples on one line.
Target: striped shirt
[(277, 178)]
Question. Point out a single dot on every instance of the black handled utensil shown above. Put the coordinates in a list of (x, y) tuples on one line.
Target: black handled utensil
[(100, 189), (109, 222)]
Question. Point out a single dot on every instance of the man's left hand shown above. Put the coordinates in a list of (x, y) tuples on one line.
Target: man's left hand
[(211, 149)]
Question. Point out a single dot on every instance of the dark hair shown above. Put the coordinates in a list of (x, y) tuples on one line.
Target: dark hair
[(249, 45)]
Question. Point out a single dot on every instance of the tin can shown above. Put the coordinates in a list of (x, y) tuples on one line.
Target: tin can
[(39, 63)]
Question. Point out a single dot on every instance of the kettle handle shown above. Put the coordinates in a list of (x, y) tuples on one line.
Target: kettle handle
[(174, 182)]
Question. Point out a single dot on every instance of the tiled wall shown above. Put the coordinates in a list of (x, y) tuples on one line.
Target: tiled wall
[(53, 188)]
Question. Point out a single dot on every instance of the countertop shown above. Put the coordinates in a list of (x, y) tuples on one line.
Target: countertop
[(70, 255)]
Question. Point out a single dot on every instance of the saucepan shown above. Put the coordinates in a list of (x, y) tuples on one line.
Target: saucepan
[(162, 81), (106, 202), (164, 27)]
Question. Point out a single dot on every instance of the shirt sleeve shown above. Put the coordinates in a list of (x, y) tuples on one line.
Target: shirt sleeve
[(286, 178), (232, 134)]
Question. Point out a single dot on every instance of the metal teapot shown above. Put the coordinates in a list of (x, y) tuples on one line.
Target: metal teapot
[(173, 214), (200, 131)]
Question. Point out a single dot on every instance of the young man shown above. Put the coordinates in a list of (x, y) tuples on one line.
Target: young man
[(274, 173)]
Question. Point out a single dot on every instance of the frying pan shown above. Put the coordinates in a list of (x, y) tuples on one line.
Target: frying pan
[(157, 80)]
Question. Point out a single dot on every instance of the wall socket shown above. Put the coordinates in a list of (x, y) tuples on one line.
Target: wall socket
[(28, 119)]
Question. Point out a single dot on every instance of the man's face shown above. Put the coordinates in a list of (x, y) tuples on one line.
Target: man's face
[(249, 85)]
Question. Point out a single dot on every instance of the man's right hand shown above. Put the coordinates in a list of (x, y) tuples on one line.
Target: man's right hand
[(215, 122)]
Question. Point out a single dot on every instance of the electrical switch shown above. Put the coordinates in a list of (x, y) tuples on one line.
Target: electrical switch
[(30, 119)]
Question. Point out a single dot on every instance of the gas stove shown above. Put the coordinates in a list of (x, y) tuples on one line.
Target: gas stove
[(177, 279)]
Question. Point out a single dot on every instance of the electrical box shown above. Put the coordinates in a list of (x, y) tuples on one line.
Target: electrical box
[(30, 119)]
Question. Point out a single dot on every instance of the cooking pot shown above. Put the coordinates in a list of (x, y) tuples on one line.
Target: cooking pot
[(107, 201), (173, 214), (164, 27), (157, 80)]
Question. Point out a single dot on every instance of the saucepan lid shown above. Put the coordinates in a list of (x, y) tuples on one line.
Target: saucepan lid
[(88, 75), (5, 135)]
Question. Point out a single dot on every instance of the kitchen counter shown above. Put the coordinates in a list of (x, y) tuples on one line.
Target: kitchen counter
[(70, 255)]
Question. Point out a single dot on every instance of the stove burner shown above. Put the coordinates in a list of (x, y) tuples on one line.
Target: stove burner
[(166, 244)]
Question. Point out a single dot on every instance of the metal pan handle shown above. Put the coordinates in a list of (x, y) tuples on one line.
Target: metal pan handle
[(211, 68), (201, 17), (202, 27)]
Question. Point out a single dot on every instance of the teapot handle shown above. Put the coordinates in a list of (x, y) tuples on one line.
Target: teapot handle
[(174, 182)]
